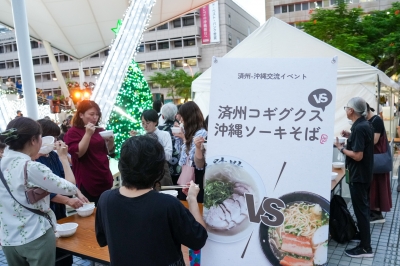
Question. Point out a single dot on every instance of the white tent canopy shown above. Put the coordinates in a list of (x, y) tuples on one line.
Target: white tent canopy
[(277, 39), (81, 28)]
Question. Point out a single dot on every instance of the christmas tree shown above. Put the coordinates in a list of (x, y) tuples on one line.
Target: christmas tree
[(133, 98)]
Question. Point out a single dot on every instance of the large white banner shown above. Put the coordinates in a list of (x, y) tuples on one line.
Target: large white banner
[(269, 156)]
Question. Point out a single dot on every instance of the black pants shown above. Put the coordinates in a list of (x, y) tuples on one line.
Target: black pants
[(360, 199), (88, 196)]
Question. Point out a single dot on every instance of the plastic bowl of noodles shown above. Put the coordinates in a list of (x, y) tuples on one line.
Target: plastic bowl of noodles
[(303, 237), (227, 180)]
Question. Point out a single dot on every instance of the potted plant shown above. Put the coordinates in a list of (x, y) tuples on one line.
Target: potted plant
[(55, 105)]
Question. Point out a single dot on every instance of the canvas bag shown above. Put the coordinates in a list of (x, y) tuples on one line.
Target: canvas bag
[(187, 173), (383, 162)]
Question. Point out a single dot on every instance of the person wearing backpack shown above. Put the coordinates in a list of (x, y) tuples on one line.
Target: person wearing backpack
[(359, 162)]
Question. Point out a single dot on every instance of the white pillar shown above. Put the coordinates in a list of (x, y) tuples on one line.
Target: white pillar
[(81, 75), (25, 57)]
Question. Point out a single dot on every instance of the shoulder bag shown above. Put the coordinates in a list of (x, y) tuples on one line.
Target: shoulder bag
[(187, 173), (35, 211), (383, 162), (33, 194)]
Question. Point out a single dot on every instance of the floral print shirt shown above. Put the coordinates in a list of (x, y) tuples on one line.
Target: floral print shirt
[(18, 225), (182, 161)]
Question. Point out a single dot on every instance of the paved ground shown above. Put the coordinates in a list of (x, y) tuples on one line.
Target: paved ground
[(385, 239)]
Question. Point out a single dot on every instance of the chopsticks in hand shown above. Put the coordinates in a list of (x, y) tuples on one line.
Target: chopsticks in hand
[(175, 186)]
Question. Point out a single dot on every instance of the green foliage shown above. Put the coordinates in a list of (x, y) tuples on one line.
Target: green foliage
[(373, 38), (178, 82), (133, 98)]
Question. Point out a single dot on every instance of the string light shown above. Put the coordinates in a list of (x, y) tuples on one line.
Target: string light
[(133, 98)]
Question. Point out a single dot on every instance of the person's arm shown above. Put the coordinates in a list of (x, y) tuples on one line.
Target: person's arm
[(199, 159), (355, 155), (62, 152), (73, 202), (376, 137), (167, 143), (193, 205), (84, 144), (40, 175)]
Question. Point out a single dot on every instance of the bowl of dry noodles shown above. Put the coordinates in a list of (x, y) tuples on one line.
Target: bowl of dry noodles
[(303, 237)]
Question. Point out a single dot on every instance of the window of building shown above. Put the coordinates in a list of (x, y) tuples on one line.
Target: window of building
[(45, 60), (189, 42), (284, 9), (179, 63), (229, 19), (230, 38), (16, 63), (188, 21), (297, 7), (163, 27), (75, 73), (153, 47), (66, 58), (95, 55), (142, 67), (10, 64), (192, 62), (8, 48), (318, 5), (96, 71), (153, 29), (177, 23), (304, 6), (106, 52), (291, 8), (65, 75), (38, 78), (165, 64), (141, 48), (34, 44), (277, 9), (178, 43), (57, 59), (154, 65), (46, 76), (163, 45), (15, 47), (2, 65), (237, 40), (36, 61), (86, 72), (1, 50)]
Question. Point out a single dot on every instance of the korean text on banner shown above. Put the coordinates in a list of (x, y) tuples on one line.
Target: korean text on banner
[(205, 25), (269, 151)]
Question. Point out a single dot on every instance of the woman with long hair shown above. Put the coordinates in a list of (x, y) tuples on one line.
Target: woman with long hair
[(194, 128), (26, 237), (89, 151)]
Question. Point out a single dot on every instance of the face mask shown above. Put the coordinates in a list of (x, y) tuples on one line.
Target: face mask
[(351, 122)]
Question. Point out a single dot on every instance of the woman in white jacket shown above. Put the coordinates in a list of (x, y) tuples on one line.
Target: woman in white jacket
[(27, 238)]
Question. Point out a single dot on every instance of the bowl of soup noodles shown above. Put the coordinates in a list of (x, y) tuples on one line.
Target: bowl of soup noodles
[(303, 237)]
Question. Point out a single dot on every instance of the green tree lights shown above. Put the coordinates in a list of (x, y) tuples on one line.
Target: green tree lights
[(133, 98)]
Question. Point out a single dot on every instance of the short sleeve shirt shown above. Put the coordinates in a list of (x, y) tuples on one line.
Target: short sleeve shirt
[(378, 125), (361, 140)]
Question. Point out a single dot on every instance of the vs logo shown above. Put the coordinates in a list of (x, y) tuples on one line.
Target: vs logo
[(320, 98)]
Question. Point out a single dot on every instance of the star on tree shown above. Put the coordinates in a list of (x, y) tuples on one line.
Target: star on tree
[(118, 27)]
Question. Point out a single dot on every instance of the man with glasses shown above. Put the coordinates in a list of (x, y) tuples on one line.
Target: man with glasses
[(359, 162)]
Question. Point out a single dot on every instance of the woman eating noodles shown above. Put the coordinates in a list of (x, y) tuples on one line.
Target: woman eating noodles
[(89, 151)]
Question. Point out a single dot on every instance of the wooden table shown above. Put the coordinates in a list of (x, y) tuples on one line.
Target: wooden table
[(84, 244), (337, 182)]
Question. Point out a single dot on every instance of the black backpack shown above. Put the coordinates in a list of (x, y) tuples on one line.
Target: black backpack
[(341, 225)]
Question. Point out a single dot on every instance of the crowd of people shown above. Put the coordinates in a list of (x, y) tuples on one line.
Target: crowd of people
[(79, 165)]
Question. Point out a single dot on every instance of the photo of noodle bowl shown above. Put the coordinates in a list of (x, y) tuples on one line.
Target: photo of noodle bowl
[(225, 209), (303, 237)]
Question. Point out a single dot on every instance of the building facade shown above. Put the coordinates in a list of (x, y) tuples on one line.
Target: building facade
[(174, 45), (294, 11)]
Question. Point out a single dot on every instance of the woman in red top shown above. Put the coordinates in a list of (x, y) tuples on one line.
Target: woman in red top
[(89, 151)]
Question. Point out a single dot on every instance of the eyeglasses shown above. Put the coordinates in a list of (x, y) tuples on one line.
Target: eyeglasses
[(346, 107)]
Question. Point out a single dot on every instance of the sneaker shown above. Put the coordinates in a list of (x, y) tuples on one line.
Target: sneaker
[(359, 252), (376, 218), (356, 238)]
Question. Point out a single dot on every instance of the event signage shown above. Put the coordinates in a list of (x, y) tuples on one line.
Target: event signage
[(209, 19), (269, 152)]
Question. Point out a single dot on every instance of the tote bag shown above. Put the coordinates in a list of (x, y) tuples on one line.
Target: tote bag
[(187, 173), (383, 162)]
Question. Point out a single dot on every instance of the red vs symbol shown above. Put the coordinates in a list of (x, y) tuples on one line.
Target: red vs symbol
[(323, 139)]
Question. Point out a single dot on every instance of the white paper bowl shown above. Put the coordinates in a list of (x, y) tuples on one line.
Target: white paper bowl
[(341, 140), (85, 210), (173, 193), (333, 175), (176, 130), (106, 134), (337, 165), (47, 145), (67, 229)]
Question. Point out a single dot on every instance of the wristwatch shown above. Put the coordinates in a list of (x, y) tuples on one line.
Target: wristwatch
[(341, 150)]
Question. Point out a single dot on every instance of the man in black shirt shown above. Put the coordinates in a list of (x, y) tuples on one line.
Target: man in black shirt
[(359, 162)]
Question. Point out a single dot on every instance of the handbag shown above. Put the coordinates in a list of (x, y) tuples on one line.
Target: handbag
[(187, 173), (383, 162), (35, 211), (33, 194)]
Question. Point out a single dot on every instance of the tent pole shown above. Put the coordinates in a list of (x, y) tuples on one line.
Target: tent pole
[(379, 95), (25, 57)]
